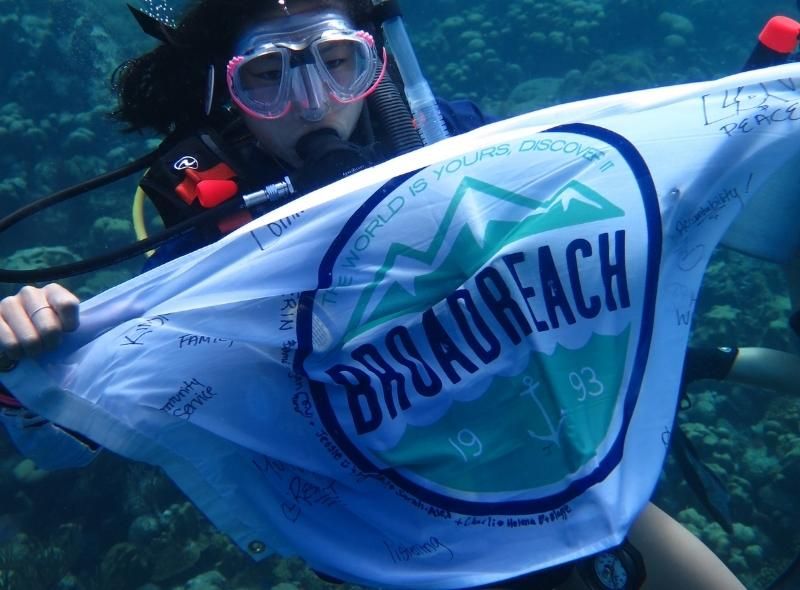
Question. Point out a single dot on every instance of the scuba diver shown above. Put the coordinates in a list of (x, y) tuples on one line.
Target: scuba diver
[(314, 99)]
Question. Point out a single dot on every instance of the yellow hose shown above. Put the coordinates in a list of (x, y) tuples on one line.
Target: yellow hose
[(137, 213)]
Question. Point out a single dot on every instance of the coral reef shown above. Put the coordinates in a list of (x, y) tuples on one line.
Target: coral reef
[(30, 563), (125, 526), (607, 46)]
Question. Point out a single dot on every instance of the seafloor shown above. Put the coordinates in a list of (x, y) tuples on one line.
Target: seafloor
[(120, 526)]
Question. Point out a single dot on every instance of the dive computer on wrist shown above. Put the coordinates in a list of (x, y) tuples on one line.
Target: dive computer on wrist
[(620, 568)]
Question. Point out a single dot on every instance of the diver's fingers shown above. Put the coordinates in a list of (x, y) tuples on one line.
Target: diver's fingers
[(19, 335), (65, 304), (44, 317), (34, 319)]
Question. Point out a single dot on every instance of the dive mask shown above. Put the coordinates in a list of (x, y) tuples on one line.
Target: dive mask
[(304, 60)]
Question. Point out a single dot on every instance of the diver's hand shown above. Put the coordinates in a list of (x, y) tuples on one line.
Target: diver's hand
[(34, 319)]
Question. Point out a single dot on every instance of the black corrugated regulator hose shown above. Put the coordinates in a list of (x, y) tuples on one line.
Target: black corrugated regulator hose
[(394, 116)]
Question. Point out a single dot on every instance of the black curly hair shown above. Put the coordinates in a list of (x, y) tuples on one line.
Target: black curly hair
[(164, 89)]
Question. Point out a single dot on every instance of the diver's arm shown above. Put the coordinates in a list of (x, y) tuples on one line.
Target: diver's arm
[(34, 319), (673, 557), (766, 368)]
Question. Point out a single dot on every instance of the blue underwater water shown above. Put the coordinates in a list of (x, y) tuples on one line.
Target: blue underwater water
[(114, 525)]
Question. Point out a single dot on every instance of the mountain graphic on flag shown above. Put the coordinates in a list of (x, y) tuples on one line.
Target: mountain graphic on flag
[(464, 242)]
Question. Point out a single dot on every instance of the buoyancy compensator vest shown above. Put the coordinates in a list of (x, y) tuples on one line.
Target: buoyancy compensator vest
[(196, 174)]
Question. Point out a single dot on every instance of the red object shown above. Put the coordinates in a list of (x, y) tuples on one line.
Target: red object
[(187, 189), (211, 193), (234, 221), (780, 34)]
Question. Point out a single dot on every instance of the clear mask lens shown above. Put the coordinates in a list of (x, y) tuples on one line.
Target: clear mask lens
[(263, 81), (347, 66), (335, 65)]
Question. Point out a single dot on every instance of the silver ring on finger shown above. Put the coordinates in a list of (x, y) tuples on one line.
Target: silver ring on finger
[(38, 309)]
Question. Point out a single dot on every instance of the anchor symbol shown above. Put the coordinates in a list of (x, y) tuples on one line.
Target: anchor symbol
[(553, 437)]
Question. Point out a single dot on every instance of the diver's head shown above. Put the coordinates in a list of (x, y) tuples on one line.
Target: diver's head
[(303, 67), (167, 89)]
